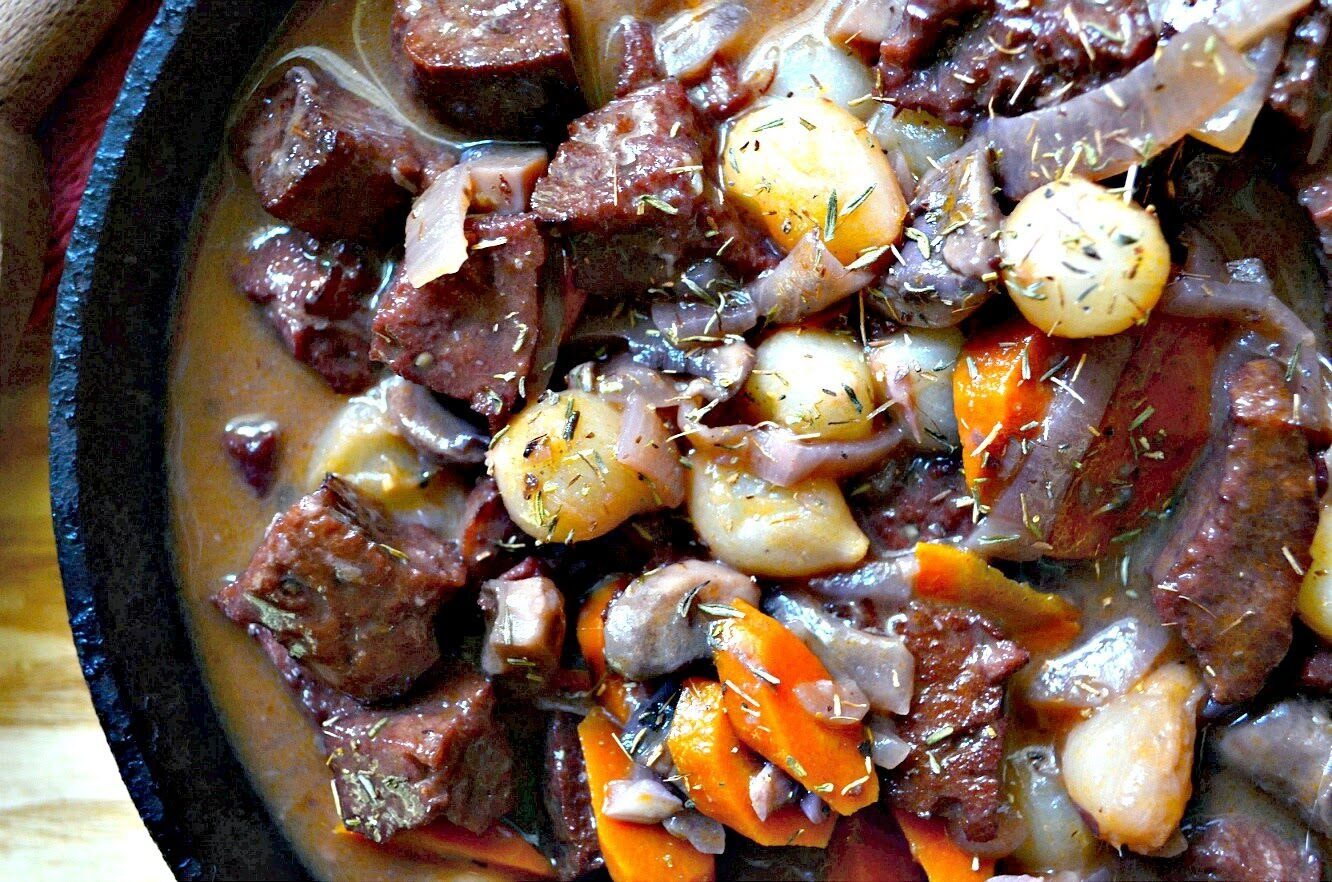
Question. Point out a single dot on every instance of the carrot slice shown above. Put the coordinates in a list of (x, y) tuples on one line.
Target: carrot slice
[(619, 697), (943, 859), (717, 768), (999, 398), (760, 662), (633, 852), (1038, 621), (591, 627), (501, 847)]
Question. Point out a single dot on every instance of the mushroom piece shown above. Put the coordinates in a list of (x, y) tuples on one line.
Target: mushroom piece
[(526, 632), (659, 623)]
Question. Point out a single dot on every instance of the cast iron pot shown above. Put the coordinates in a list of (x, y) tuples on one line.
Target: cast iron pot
[(108, 473)]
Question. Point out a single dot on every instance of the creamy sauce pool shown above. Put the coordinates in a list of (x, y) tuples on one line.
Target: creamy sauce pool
[(228, 363)]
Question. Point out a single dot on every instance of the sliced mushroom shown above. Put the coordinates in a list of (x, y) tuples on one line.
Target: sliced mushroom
[(657, 626)]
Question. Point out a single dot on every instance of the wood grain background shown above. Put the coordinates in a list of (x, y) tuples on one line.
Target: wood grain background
[(64, 812)]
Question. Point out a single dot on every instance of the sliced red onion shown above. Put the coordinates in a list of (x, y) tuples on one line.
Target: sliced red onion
[(779, 456), (808, 280), (503, 177), (1241, 22), (833, 702), (695, 321), (644, 445), (725, 368), (430, 427), (686, 43), (888, 583), (641, 800), (1123, 123), (1229, 128), (887, 748), (704, 834), (814, 808), (1245, 298), (1018, 521), (436, 244), (498, 179), (622, 378), (1106, 665), (770, 789), (880, 665)]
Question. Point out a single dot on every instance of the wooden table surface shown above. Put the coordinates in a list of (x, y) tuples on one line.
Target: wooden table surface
[(64, 812)]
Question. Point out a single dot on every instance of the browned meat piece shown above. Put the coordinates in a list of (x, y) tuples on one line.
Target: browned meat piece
[(1010, 56), (325, 160), (442, 756), (955, 212), (1316, 197), (633, 164), (722, 94), (320, 700), (956, 724), (909, 502), (1301, 88), (484, 526), (1235, 848), (912, 34), (471, 335), (524, 626), (252, 444), (568, 801), (316, 297), (350, 593), (1316, 672), (1231, 572), (629, 185), (635, 52), (499, 68)]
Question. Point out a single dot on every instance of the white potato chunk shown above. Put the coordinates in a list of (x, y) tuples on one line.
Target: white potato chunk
[(362, 446), (1129, 766), (1079, 261), (812, 67), (914, 369), (557, 472), (801, 164), (814, 382), (1315, 600), (766, 530)]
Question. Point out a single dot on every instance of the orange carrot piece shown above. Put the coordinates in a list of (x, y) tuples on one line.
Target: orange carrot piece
[(943, 859), (717, 768), (999, 398), (500, 847), (760, 663), (619, 697), (1038, 621), (633, 852), (591, 627)]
